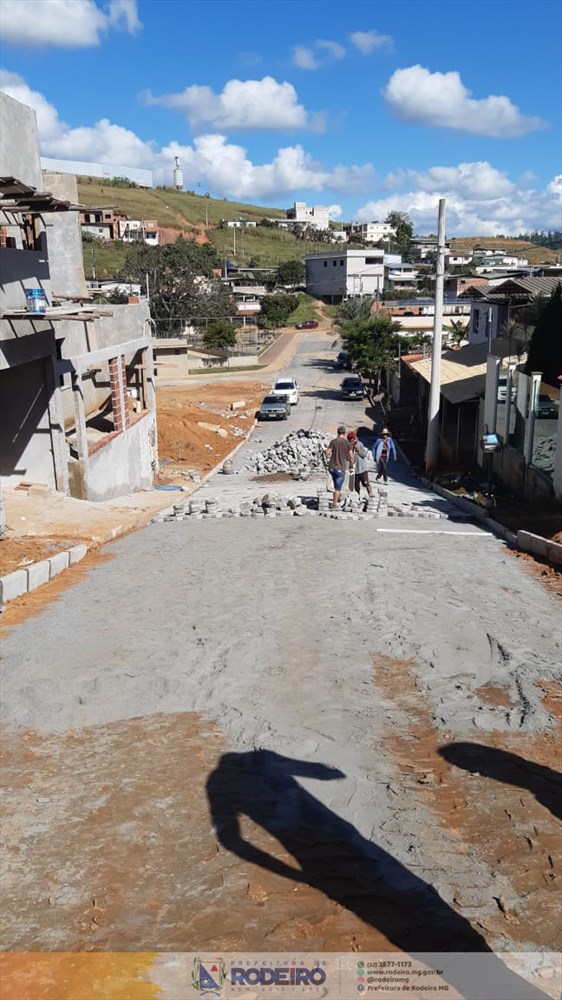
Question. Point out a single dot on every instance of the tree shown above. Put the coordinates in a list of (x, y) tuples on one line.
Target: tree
[(457, 329), (219, 335), (372, 343), (404, 230), (545, 352), (354, 309), (174, 273), (276, 309), (291, 272)]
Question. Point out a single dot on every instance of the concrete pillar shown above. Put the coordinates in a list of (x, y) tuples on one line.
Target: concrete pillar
[(56, 423), (557, 475), (491, 397), (79, 417), (117, 394), (508, 402), (536, 379)]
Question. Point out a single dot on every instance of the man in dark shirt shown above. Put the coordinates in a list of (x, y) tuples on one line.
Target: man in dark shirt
[(340, 453)]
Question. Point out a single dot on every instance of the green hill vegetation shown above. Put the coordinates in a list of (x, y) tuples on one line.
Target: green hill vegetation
[(198, 216)]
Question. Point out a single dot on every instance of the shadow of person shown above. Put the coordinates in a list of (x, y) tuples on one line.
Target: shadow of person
[(334, 858), (510, 769)]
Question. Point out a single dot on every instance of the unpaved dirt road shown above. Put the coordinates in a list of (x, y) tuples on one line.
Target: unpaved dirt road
[(304, 733)]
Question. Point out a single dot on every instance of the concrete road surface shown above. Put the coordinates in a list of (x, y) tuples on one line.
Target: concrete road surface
[(304, 733)]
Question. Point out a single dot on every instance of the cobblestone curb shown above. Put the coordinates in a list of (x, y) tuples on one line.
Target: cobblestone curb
[(28, 578)]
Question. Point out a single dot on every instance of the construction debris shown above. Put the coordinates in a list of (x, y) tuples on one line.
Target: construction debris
[(299, 453)]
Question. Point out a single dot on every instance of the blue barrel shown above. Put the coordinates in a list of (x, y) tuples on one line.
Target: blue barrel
[(35, 300)]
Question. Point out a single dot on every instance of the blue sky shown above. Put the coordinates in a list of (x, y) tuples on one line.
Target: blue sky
[(362, 106)]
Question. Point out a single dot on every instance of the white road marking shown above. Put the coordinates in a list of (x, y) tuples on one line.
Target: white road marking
[(435, 531)]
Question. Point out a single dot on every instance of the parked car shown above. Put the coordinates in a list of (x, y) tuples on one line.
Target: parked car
[(286, 387), (308, 324), (343, 360), (547, 408), (352, 388), (502, 390), (274, 408)]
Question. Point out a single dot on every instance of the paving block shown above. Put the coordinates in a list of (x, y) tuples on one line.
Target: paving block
[(13, 585), (58, 563), (38, 574), (76, 553)]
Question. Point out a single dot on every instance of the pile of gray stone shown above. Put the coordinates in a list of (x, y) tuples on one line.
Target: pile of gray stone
[(299, 453)]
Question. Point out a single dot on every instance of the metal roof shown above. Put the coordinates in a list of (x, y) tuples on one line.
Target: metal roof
[(463, 372)]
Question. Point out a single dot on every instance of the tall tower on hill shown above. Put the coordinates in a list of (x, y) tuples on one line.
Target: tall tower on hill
[(178, 175)]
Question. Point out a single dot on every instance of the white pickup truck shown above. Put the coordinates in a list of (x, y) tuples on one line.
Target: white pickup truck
[(287, 387)]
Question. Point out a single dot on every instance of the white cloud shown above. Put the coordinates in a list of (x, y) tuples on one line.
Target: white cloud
[(336, 50), (102, 142), (366, 41), (479, 200), (304, 58), (335, 212), (64, 23), (307, 58), (415, 95), (249, 104), (222, 167), (471, 180), (226, 170)]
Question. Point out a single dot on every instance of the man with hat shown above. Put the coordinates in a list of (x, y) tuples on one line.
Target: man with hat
[(384, 450), (362, 459)]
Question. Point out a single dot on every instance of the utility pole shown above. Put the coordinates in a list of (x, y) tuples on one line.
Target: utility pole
[(93, 265), (432, 445), (234, 240)]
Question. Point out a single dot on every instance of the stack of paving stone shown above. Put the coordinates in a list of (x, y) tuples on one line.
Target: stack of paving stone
[(299, 454), (352, 507)]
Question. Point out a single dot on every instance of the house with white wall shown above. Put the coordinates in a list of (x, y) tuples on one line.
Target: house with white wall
[(315, 216), (338, 274), (372, 232)]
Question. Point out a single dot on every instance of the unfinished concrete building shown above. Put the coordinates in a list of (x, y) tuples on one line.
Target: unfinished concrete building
[(76, 380)]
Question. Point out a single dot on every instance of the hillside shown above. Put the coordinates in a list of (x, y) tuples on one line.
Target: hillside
[(519, 248), (198, 217)]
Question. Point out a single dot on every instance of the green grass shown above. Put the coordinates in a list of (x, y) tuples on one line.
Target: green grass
[(183, 211), (221, 371), (109, 258), (178, 209), (306, 309)]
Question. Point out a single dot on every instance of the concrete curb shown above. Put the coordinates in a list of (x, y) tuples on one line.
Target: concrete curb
[(536, 545), (474, 511), (23, 581)]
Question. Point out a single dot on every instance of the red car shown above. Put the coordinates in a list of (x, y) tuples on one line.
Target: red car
[(309, 324)]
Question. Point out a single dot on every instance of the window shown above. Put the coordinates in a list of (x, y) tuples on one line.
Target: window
[(341, 263), (475, 321), (325, 263), (373, 260), (334, 263)]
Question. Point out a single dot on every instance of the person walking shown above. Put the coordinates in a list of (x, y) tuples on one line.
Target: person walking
[(362, 457), (340, 453), (383, 452)]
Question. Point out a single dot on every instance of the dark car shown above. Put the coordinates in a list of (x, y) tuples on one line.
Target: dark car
[(308, 324), (274, 408), (343, 360), (547, 408), (352, 388)]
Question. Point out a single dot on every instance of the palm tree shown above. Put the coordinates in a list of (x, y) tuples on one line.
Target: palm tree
[(457, 329), (354, 309)]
